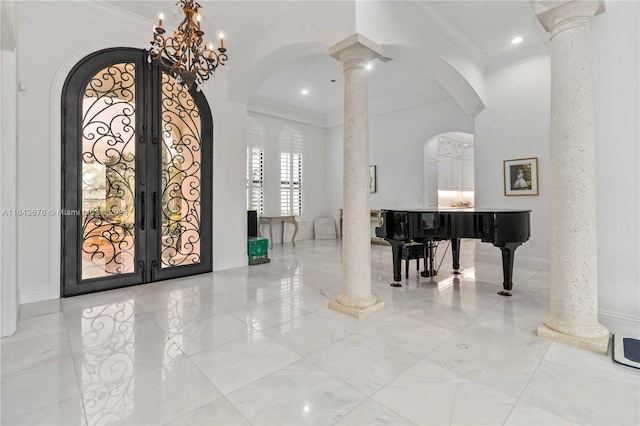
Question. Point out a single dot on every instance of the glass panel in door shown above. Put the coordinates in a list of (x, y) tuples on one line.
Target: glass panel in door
[(108, 174), (180, 176)]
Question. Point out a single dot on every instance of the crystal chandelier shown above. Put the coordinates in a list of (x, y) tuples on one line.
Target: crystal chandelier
[(185, 54)]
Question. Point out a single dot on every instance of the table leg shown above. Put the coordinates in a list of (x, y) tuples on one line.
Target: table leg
[(271, 234), (295, 231)]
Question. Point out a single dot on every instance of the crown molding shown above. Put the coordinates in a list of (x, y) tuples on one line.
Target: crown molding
[(279, 109), (398, 103), (443, 26), (522, 54), (273, 108), (264, 25), (114, 14)]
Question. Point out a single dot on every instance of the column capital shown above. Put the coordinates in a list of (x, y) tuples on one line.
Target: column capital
[(554, 13), (355, 48)]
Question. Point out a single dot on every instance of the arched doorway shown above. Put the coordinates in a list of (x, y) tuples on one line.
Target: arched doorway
[(449, 170), (137, 174)]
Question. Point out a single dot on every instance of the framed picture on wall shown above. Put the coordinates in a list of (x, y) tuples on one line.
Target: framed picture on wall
[(521, 176), (372, 179)]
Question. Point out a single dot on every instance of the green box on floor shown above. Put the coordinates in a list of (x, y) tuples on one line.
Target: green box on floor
[(258, 249)]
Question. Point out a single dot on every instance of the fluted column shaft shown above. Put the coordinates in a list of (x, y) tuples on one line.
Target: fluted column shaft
[(573, 316), (356, 299)]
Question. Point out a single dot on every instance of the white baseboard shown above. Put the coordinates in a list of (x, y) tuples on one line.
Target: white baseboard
[(528, 262), (230, 262), (620, 324), (35, 295)]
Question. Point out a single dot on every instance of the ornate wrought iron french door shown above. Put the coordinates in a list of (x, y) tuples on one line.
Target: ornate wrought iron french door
[(137, 175)]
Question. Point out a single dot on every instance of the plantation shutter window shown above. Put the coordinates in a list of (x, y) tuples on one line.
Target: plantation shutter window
[(256, 138), (291, 146)]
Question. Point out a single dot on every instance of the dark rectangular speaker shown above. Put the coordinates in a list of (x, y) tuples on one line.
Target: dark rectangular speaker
[(252, 223)]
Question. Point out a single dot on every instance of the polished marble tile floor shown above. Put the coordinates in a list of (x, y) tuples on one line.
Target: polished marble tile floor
[(257, 345)]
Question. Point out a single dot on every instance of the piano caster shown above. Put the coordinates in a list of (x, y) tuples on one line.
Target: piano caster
[(504, 293), (396, 284), (456, 272)]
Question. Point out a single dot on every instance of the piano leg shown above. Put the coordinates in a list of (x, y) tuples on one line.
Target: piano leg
[(508, 253), (396, 249), (429, 269), (455, 251)]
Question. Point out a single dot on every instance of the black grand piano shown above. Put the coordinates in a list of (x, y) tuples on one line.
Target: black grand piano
[(506, 229)]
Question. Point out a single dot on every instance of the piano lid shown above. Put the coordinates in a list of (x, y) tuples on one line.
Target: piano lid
[(457, 210)]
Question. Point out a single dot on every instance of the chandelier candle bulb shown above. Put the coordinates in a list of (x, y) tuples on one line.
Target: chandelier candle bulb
[(198, 19), (221, 35), (160, 18)]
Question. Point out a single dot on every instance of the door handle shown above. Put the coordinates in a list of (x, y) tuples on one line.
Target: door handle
[(143, 270), (154, 222), (143, 208), (154, 266)]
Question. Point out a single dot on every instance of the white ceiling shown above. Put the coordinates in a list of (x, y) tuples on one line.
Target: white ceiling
[(491, 25), (387, 81), (487, 26)]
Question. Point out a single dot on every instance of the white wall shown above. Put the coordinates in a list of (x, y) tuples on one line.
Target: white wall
[(396, 144), (314, 166), (515, 124), (229, 176), (616, 74), (8, 157)]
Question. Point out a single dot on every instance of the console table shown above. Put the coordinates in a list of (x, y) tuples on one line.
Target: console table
[(270, 220)]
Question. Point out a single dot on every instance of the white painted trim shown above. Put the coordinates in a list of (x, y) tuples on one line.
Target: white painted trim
[(528, 262), (230, 262), (638, 265), (9, 32), (273, 108), (405, 102), (34, 295), (110, 12), (336, 118), (622, 324), (55, 155), (448, 30), (9, 302), (523, 54)]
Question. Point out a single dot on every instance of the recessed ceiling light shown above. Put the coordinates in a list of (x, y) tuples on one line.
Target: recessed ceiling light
[(304, 92), (516, 40), (369, 66)]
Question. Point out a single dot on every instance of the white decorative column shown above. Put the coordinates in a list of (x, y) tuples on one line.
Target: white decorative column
[(573, 318), (356, 299)]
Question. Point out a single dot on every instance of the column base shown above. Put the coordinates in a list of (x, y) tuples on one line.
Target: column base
[(597, 344), (356, 312)]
